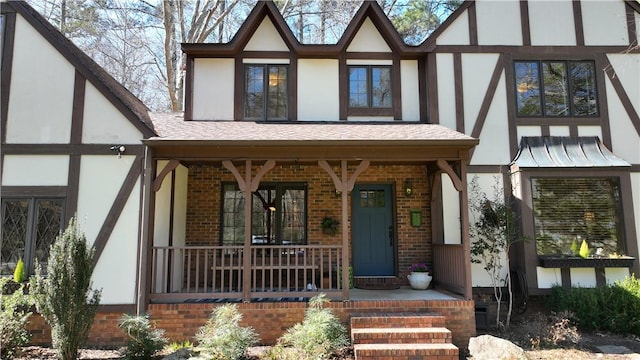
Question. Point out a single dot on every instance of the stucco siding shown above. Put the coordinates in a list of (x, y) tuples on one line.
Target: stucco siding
[(494, 137), (266, 38), (116, 271), (626, 141), (627, 69), (552, 22), (410, 90), (476, 75), (35, 170), (457, 33), (498, 22), (450, 211), (213, 89), (38, 72), (367, 39), (446, 91), (104, 123), (318, 95), (607, 22)]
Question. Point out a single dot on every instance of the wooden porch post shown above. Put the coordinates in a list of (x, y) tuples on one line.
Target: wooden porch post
[(464, 222), (345, 185), (146, 229)]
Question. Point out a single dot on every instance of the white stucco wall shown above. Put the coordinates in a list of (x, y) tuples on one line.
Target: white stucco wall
[(410, 90), (116, 270), (494, 137), (498, 22), (34, 116), (635, 194), (318, 95), (213, 89), (548, 277), (552, 22), (476, 75), (627, 68), (457, 33), (583, 277), (590, 131), (559, 131), (626, 142), (607, 22), (368, 38), (528, 131), (450, 211), (266, 38), (35, 170), (104, 123), (615, 274), (446, 91)]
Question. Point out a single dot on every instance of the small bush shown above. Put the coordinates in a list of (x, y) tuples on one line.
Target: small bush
[(19, 274), (613, 308), (319, 336), (175, 346), (143, 340), (14, 315), (223, 336)]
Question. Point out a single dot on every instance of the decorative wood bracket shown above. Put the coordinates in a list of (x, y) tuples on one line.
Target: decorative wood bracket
[(457, 181), (250, 184), (345, 184), (157, 182)]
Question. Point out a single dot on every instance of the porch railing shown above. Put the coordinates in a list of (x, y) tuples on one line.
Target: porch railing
[(182, 273), (448, 267)]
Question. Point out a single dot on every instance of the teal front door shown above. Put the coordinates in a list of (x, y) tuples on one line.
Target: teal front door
[(373, 232)]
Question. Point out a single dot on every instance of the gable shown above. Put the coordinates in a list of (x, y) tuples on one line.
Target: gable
[(266, 38), (606, 23), (552, 23), (368, 39), (457, 33), (34, 115)]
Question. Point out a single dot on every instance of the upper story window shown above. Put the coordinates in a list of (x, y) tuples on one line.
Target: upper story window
[(265, 92), (370, 90), (556, 88)]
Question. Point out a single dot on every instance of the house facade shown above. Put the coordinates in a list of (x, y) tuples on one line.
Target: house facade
[(299, 168)]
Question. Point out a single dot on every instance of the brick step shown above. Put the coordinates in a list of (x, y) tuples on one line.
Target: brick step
[(405, 351), (397, 320), (430, 335)]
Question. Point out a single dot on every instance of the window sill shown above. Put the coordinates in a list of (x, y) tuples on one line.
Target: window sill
[(578, 262)]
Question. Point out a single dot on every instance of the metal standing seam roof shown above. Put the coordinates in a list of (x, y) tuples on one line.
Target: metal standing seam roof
[(564, 151), (171, 127)]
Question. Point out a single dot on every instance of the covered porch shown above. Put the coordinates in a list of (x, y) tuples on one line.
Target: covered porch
[(195, 168)]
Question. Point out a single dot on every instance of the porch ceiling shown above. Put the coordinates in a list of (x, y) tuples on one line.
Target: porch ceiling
[(301, 141)]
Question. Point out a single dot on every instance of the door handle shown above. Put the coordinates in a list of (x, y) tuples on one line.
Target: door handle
[(390, 235)]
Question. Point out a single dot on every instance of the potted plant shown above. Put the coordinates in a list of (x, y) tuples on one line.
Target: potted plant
[(419, 277), (329, 225)]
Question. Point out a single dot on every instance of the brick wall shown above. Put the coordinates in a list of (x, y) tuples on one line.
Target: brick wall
[(103, 333), (413, 245), (271, 320)]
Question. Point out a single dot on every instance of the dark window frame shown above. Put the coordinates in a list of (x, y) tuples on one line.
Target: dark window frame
[(568, 83), (265, 91), (370, 110), (31, 226), (618, 201), (280, 188)]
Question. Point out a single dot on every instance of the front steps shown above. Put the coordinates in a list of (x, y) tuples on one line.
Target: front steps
[(401, 337)]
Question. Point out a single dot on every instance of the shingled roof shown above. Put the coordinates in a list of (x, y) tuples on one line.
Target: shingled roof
[(172, 127)]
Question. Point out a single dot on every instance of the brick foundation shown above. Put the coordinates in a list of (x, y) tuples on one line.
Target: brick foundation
[(103, 333)]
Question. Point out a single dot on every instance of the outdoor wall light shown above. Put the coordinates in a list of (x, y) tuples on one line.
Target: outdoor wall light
[(118, 149), (408, 188)]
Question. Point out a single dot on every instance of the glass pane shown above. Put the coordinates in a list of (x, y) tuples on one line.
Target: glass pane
[(293, 217), (15, 214), (263, 216), (528, 88), (381, 87), (232, 216), (48, 227), (574, 209), (556, 94), (277, 92), (372, 198), (583, 88), (358, 87), (254, 92)]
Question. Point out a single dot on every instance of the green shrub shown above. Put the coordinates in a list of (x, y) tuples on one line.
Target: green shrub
[(175, 346), (143, 340), (222, 335), (64, 297), (14, 315), (18, 274), (612, 308), (319, 336)]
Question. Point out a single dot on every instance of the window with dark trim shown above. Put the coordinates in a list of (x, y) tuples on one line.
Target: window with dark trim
[(29, 227), (370, 91), (569, 210), (556, 88), (279, 214), (265, 92)]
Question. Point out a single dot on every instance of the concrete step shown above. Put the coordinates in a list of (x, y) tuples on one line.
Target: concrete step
[(397, 320), (429, 335), (405, 351)]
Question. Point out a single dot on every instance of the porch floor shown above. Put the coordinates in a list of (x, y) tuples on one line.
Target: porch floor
[(402, 293)]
